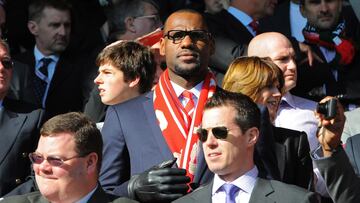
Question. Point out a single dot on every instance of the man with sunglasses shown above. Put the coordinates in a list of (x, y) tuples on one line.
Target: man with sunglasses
[(66, 162), (228, 144), (18, 131), (159, 126)]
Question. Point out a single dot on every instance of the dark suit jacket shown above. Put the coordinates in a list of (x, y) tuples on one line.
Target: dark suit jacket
[(341, 181), (66, 88), (283, 154), (264, 191), (352, 148), (231, 39), (133, 143), (19, 136), (293, 157), (99, 196)]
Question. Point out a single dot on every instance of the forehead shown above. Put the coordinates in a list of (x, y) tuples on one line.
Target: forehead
[(3, 51), (53, 14), (213, 117), (149, 9), (56, 143), (185, 21), (280, 46), (316, 2)]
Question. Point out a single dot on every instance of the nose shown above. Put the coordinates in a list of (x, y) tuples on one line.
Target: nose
[(186, 42), (211, 141), (323, 6), (62, 30), (98, 80), (44, 167), (292, 65)]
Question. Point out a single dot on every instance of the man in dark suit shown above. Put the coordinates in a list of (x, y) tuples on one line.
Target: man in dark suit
[(19, 131), (67, 162), (333, 32), (228, 145), (50, 78), (241, 24), (341, 181), (159, 125)]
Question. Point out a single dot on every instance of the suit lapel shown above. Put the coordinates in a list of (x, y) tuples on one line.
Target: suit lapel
[(148, 106), (98, 196), (11, 124), (62, 70), (262, 191), (202, 194)]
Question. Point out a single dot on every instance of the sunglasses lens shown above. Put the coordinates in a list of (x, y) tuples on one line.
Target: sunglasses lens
[(35, 158), (54, 161), (7, 63), (179, 35), (220, 132), (202, 135), (198, 35)]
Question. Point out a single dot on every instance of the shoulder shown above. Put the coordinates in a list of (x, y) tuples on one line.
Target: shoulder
[(133, 103), (201, 193), (282, 134), (303, 103), (26, 198)]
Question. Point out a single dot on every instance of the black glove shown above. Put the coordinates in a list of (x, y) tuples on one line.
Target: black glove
[(159, 184)]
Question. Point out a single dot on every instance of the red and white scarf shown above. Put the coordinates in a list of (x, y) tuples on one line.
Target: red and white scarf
[(171, 115)]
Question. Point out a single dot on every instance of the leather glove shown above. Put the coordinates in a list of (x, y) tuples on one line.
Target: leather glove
[(160, 183)]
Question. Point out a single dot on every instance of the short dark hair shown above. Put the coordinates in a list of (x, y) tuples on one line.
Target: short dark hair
[(36, 7), (133, 59), (119, 11), (86, 135), (247, 112), (188, 10)]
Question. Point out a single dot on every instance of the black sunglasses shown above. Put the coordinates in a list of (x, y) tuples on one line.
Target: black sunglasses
[(7, 63), (54, 161), (220, 132), (196, 35)]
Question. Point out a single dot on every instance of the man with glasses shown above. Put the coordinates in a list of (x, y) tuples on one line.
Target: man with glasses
[(18, 131), (129, 20), (228, 144), (67, 162), (160, 125)]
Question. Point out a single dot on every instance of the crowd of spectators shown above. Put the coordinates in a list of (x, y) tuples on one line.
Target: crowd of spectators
[(161, 101)]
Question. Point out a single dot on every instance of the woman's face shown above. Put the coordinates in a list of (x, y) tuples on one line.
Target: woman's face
[(270, 97)]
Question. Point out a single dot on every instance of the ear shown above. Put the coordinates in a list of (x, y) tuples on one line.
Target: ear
[(91, 163), (162, 47), (134, 82), (33, 27), (253, 135), (129, 23)]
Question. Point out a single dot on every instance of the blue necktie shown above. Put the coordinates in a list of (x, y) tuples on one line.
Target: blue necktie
[(39, 84), (230, 191)]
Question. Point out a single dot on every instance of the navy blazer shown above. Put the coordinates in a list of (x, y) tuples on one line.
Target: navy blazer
[(133, 143), (19, 134)]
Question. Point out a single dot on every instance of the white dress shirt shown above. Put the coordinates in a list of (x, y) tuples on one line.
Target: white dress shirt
[(246, 183), (297, 22), (195, 90), (297, 113)]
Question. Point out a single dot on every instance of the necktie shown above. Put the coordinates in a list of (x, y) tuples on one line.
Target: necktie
[(40, 84), (230, 191), (255, 26), (189, 107)]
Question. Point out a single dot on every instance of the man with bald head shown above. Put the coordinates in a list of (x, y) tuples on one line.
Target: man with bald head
[(292, 108), (142, 137)]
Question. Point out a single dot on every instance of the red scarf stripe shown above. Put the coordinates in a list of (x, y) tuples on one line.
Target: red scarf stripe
[(173, 113)]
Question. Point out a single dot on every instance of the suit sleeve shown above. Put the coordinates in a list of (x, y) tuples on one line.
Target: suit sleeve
[(340, 179), (115, 169)]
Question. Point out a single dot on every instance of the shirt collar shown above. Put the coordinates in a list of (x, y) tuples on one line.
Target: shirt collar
[(245, 182), (179, 90), (86, 198), (244, 18), (289, 99), (38, 56)]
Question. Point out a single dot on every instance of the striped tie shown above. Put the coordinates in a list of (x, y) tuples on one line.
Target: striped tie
[(189, 107)]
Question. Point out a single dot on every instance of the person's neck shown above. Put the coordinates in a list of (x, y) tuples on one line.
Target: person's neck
[(231, 177), (186, 83)]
